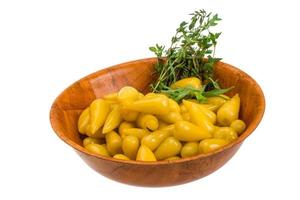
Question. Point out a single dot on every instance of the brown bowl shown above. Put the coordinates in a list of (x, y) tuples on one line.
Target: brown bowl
[(68, 105)]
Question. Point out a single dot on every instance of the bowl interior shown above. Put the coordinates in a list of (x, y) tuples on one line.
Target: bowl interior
[(69, 104)]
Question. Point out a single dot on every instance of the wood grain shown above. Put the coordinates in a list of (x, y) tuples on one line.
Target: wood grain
[(68, 105)]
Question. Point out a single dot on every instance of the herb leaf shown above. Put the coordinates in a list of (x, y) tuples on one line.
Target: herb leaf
[(190, 92)]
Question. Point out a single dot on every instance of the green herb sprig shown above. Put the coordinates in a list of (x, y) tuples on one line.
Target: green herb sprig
[(200, 94), (191, 53)]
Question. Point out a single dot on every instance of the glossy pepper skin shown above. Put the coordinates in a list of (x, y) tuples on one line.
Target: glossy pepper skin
[(123, 126), (145, 154), (168, 148), (211, 107), (151, 95), (211, 144), (99, 109), (173, 115), (153, 140), (199, 118), (170, 118), (162, 124), (113, 143), (217, 101), (98, 149), (89, 140), (169, 128), (129, 115), (187, 82), (130, 146), (147, 121), (121, 157), (226, 133), (153, 105), (173, 106), (229, 111), (208, 113), (113, 119), (128, 93), (83, 120), (188, 132), (137, 132), (173, 158), (189, 149), (98, 134), (239, 126), (183, 109), (186, 116), (111, 97)]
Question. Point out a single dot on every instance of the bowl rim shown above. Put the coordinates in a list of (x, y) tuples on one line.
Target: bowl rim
[(249, 130)]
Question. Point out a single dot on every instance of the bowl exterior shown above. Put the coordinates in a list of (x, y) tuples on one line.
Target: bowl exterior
[(139, 74), (159, 175)]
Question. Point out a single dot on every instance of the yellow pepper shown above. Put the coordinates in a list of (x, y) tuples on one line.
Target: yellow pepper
[(169, 128), (186, 116), (153, 105), (111, 97), (189, 149), (187, 82), (137, 132), (225, 133), (145, 154), (171, 117), (98, 149), (152, 94), (153, 140), (147, 121), (212, 144), (130, 146), (238, 125), (208, 113), (121, 157), (168, 148), (141, 95), (128, 93), (188, 132), (129, 115), (98, 134), (83, 120), (173, 158), (210, 107), (162, 124), (99, 110), (217, 101), (183, 109), (113, 142), (123, 126), (173, 106), (113, 120), (90, 140), (229, 111), (199, 118)]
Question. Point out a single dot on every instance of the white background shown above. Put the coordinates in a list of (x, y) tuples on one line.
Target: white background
[(47, 45)]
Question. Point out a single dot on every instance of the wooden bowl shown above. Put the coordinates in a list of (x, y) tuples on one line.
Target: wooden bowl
[(68, 105)]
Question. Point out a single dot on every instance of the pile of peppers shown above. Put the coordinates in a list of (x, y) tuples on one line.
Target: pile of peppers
[(129, 125)]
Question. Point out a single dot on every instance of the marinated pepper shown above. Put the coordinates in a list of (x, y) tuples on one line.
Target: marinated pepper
[(154, 105), (188, 132), (229, 111)]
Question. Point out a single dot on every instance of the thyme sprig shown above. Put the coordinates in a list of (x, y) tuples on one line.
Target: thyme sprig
[(191, 53)]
